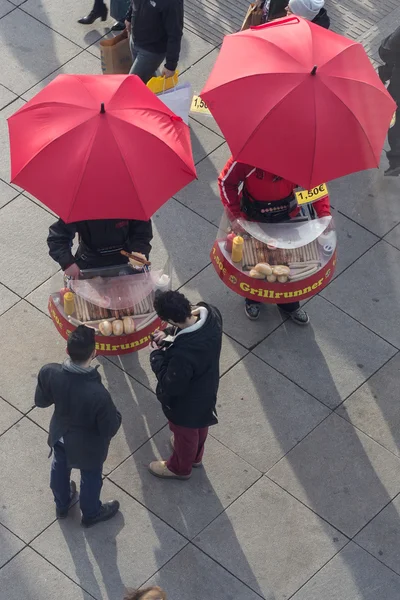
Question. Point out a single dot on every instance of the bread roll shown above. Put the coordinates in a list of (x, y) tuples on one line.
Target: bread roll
[(256, 274), (282, 278), (118, 327), (264, 268), (271, 278), (281, 270), (105, 328), (129, 325)]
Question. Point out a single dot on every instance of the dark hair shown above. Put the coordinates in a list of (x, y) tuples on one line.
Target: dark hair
[(277, 9), (81, 344), (172, 306), (138, 594)]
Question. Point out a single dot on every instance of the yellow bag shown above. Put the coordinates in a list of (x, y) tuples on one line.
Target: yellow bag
[(161, 84)]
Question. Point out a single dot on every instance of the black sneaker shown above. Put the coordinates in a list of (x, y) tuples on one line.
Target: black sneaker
[(107, 511), (252, 311), (392, 171), (63, 514), (299, 316)]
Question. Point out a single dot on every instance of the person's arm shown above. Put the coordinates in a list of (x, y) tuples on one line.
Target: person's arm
[(172, 17), (229, 181), (322, 207), (60, 240), (108, 417), (139, 237), (43, 397), (174, 375)]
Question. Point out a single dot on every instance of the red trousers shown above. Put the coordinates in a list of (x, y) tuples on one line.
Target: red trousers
[(188, 448)]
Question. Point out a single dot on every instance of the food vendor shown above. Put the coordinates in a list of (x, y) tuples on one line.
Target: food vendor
[(257, 195), (100, 243)]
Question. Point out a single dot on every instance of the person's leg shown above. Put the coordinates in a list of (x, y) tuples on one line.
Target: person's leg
[(60, 476), (186, 449), (203, 433), (297, 314), (145, 63), (91, 484)]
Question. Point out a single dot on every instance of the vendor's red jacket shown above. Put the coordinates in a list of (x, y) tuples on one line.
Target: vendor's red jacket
[(261, 185)]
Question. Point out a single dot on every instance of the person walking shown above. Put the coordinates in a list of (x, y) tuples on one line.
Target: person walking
[(186, 364), (312, 10), (99, 11), (389, 52), (155, 28), (84, 421), (257, 195), (151, 593)]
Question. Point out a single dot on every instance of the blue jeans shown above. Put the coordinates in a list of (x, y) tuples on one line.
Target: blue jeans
[(91, 484), (145, 63)]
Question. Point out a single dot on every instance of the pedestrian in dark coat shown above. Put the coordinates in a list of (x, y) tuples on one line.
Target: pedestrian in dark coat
[(389, 52), (186, 364), (83, 423)]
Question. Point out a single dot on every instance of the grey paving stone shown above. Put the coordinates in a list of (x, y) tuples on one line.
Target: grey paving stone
[(353, 241), (351, 575), (7, 193), (185, 238), (137, 364), (8, 416), (202, 195), (29, 575), (381, 537), (188, 506), (5, 7), (193, 48), (331, 357), (374, 407), (262, 415), (9, 546), (270, 541), (24, 262), (204, 141), (24, 465), (32, 337), (7, 299), (369, 291), (32, 47), (208, 287), (4, 139), (368, 198), (341, 474), (192, 574), (393, 237), (84, 63), (125, 551), (40, 296), (6, 96), (52, 14)]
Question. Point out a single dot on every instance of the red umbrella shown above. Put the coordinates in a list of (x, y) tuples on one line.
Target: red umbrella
[(100, 147), (299, 101)]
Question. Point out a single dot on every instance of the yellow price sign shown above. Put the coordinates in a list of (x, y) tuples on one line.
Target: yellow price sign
[(199, 106), (308, 196)]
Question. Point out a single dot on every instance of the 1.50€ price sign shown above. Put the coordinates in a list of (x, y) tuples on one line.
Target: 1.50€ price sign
[(307, 196), (199, 106)]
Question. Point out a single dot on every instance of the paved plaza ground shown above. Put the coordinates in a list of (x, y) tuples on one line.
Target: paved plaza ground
[(300, 494)]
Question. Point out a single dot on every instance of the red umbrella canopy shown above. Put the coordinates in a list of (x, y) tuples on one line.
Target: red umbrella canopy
[(299, 101), (100, 147)]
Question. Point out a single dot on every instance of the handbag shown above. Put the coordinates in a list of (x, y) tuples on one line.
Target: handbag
[(254, 16), (116, 57), (178, 99)]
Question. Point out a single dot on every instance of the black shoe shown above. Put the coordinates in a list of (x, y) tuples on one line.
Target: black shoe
[(299, 316), (95, 13), (392, 171), (118, 26), (252, 311), (63, 514), (107, 511)]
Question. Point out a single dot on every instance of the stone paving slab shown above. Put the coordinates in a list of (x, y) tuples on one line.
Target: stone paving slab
[(353, 241), (24, 264), (21, 328), (8, 416), (208, 287), (207, 578), (204, 141), (7, 193), (24, 465), (341, 474), (374, 407), (270, 541), (188, 506), (123, 552), (6, 96), (7, 299), (393, 237), (274, 414), (27, 44), (381, 537), (331, 357), (40, 296), (351, 575), (29, 575), (9, 110), (5, 7), (369, 291), (9, 546)]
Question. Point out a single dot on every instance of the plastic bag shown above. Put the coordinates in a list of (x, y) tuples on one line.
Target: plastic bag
[(179, 100)]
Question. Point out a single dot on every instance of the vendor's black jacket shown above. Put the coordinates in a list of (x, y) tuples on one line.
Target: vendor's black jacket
[(188, 373), (100, 241), (389, 51), (84, 414), (322, 19), (157, 26)]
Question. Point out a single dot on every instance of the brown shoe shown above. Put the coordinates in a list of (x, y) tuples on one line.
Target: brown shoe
[(194, 465), (159, 469)]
